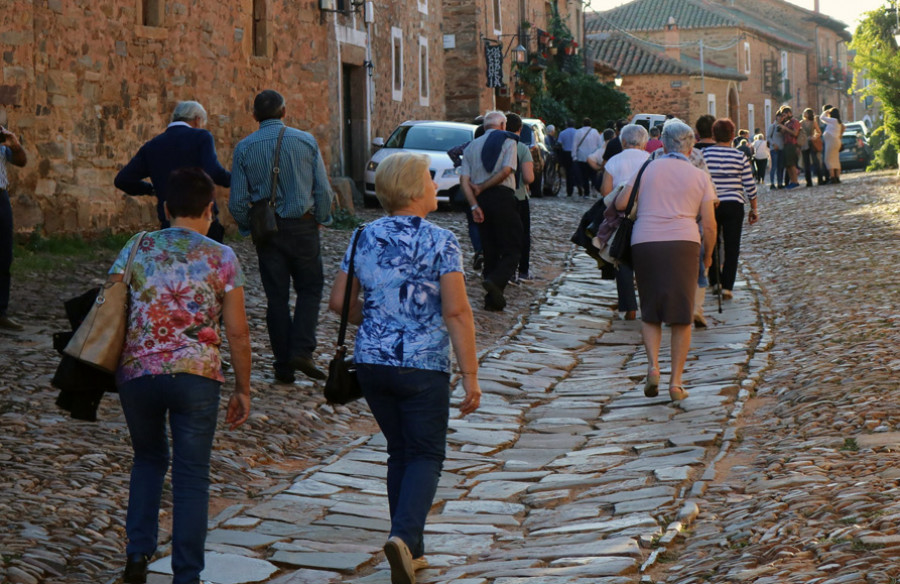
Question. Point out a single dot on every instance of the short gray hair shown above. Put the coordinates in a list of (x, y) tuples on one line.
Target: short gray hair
[(633, 136), (677, 136), (494, 119), (186, 111)]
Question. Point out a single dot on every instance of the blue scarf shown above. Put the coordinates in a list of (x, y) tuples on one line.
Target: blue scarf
[(493, 146)]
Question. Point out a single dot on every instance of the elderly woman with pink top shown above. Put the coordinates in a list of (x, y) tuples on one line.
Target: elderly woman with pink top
[(666, 249)]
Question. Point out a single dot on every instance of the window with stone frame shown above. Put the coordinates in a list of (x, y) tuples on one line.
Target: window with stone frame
[(396, 64), (260, 28), (747, 58), (423, 6), (751, 120), (152, 12), (424, 67), (711, 104), (498, 24)]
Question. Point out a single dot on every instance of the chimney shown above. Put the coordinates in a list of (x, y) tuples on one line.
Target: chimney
[(672, 39), (816, 6)]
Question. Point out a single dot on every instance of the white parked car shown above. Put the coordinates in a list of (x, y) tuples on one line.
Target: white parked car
[(424, 137)]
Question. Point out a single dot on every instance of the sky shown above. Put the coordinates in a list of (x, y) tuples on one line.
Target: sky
[(848, 11)]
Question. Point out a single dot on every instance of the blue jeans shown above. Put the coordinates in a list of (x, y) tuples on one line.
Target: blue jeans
[(412, 408), (292, 256), (474, 232), (192, 405), (6, 248), (777, 169)]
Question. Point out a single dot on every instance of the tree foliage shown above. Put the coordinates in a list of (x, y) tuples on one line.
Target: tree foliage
[(560, 89), (878, 58)]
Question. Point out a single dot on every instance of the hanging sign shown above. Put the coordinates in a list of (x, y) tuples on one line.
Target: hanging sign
[(494, 59)]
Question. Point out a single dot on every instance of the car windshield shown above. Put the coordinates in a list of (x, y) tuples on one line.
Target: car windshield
[(436, 138)]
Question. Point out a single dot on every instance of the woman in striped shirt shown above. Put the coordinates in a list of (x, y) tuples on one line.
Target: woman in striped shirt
[(733, 178)]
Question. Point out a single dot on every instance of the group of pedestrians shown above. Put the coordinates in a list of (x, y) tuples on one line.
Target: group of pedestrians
[(692, 190), (407, 295), (813, 143)]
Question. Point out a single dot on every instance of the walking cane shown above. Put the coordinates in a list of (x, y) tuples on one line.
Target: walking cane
[(717, 260)]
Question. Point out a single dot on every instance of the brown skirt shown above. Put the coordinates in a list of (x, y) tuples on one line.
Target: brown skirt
[(666, 273)]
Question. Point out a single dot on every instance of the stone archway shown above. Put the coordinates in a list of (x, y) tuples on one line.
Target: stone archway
[(734, 111)]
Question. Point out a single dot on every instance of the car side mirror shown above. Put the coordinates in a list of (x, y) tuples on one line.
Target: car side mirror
[(378, 142)]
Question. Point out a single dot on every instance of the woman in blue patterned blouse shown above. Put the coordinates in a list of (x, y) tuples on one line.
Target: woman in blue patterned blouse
[(414, 306)]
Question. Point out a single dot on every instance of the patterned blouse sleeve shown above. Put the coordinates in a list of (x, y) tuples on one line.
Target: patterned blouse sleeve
[(450, 255), (118, 266), (232, 274)]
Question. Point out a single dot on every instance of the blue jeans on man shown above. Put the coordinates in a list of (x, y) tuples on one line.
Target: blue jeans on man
[(293, 256), (777, 169), (412, 408), (6, 249), (191, 403)]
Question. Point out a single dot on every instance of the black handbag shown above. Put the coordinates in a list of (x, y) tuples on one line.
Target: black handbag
[(342, 385), (263, 224), (620, 246)]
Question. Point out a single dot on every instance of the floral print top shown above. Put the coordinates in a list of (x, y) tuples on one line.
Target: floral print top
[(178, 285), (399, 263)]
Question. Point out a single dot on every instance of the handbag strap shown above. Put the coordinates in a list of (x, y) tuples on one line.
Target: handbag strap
[(635, 188), (345, 310), (126, 277), (275, 168)]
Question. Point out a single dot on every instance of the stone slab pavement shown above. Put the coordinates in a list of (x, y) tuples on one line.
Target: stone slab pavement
[(567, 474)]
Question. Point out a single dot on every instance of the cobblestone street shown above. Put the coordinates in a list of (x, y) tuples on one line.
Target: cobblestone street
[(780, 467)]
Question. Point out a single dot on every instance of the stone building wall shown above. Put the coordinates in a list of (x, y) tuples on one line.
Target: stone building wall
[(414, 24), (87, 82), (99, 83), (659, 94), (469, 22)]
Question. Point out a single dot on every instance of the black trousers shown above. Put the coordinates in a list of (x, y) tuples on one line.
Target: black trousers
[(565, 158), (6, 249), (292, 260), (730, 217), (501, 234), (586, 176), (761, 164)]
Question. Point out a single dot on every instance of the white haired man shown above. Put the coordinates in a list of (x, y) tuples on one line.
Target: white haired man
[(184, 144), (488, 180)]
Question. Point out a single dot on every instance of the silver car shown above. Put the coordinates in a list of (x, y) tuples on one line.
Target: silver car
[(424, 137)]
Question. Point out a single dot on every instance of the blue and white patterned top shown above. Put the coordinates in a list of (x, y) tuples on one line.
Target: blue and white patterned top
[(399, 263), (5, 156)]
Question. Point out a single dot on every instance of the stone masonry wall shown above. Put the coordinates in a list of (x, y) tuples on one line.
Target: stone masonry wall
[(405, 15), (97, 84), (654, 94)]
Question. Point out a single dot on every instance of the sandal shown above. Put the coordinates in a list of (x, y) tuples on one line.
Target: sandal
[(677, 392), (651, 386)]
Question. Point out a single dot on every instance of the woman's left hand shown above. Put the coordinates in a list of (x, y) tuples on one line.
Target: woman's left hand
[(753, 216), (238, 409), (472, 400)]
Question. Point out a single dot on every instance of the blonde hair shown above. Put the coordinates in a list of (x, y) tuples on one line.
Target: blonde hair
[(400, 178)]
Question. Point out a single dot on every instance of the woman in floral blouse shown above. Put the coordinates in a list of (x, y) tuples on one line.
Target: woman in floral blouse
[(183, 284), (414, 306)]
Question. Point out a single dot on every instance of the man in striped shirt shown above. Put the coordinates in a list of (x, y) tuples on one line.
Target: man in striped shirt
[(302, 204)]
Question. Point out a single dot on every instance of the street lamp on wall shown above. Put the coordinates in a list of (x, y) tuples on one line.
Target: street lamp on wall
[(618, 81), (520, 53)]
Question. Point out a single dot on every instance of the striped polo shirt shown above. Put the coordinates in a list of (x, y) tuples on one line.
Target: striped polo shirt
[(731, 174)]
